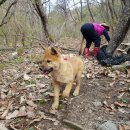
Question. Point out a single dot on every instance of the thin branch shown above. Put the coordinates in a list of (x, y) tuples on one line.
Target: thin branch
[(73, 125), (45, 2), (4, 20)]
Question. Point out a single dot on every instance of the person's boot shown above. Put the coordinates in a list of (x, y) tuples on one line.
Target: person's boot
[(95, 51), (86, 52)]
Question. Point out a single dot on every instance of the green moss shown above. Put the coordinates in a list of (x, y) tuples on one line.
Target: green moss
[(61, 106), (41, 101), (27, 82), (31, 128), (19, 59), (2, 66)]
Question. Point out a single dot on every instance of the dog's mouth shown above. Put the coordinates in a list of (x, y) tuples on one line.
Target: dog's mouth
[(46, 71)]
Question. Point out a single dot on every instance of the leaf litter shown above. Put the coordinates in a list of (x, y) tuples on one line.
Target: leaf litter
[(28, 95)]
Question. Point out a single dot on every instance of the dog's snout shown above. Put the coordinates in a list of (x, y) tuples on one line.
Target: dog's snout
[(40, 68)]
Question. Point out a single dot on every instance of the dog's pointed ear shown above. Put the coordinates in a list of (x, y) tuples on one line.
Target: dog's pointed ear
[(54, 51)]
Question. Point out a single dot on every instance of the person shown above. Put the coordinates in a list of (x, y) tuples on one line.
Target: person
[(92, 33)]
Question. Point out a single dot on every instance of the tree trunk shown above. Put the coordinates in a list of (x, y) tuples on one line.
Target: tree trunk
[(110, 9), (113, 8), (41, 12), (81, 10), (121, 29), (91, 15)]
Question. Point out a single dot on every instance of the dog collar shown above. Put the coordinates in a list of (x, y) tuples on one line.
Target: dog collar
[(65, 58)]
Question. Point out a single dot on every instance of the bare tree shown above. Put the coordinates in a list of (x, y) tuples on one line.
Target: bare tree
[(62, 7), (90, 12), (81, 10), (41, 12), (6, 18), (121, 28)]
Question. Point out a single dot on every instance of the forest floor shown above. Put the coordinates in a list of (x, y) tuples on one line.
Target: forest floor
[(26, 95)]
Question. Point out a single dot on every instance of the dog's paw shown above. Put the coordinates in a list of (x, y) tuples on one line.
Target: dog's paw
[(65, 94), (75, 93), (55, 106)]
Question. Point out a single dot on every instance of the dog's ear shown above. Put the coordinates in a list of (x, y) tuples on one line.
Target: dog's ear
[(54, 51)]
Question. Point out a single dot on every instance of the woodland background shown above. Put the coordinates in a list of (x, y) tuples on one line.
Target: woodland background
[(27, 22), (26, 94)]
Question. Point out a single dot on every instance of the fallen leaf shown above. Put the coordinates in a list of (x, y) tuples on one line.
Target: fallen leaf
[(31, 103), (22, 112), (3, 95), (12, 127), (22, 99), (122, 110), (121, 94), (111, 75), (56, 122), (111, 84), (105, 103), (12, 115), (26, 77), (123, 127), (36, 120), (30, 112), (127, 80), (7, 110)]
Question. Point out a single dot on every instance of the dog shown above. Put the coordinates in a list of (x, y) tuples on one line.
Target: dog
[(62, 70)]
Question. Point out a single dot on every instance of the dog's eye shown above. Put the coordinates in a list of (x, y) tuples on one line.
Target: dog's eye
[(48, 61)]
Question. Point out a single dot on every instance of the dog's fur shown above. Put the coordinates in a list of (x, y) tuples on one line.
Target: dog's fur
[(62, 71)]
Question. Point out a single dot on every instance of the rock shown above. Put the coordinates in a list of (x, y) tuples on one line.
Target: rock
[(109, 125), (97, 103), (90, 111)]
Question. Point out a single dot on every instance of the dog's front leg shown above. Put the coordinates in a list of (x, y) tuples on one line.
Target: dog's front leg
[(56, 95), (67, 90)]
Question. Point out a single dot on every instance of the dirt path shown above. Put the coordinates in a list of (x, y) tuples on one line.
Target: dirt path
[(104, 95)]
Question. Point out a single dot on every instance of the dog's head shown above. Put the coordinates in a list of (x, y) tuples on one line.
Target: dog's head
[(51, 60)]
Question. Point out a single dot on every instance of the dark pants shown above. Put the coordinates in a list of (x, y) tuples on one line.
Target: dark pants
[(90, 35)]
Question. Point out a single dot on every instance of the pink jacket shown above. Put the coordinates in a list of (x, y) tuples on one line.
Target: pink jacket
[(98, 28)]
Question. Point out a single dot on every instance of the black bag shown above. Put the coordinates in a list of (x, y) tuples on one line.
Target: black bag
[(109, 60)]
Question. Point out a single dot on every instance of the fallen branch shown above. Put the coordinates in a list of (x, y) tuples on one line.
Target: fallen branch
[(7, 110), (73, 125), (124, 65), (7, 49), (69, 49), (18, 77), (4, 20)]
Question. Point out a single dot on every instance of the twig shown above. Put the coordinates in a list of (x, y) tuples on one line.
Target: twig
[(8, 10), (7, 110), (73, 125), (7, 49), (68, 49), (18, 77)]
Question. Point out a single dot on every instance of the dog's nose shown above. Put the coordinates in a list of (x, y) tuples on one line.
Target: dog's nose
[(41, 69)]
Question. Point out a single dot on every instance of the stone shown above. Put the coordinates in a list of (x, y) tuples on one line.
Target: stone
[(109, 125), (97, 103)]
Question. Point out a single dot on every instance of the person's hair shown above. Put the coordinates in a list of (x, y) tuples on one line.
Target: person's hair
[(106, 27)]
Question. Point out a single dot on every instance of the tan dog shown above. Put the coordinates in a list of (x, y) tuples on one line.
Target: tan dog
[(62, 71)]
